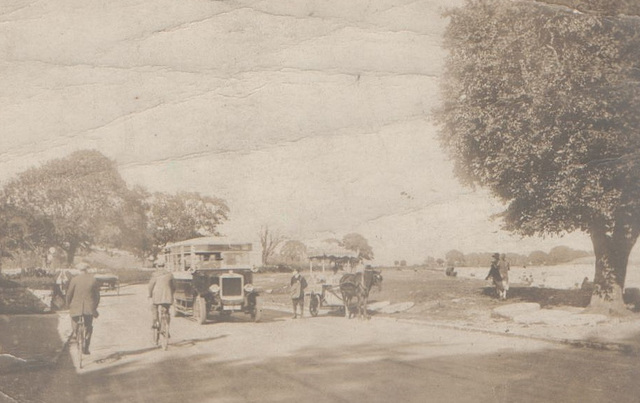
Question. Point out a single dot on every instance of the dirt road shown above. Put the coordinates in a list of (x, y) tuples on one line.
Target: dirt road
[(323, 359)]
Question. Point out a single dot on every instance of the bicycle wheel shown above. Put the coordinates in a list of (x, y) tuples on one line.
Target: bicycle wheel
[(156, 336), (156, 332), (164, 328), (80, 340)]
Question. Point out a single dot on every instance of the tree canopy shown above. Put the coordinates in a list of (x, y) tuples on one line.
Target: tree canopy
[(75, 202), (293, 251), (358, 244), (185, 215), (455, 258), (75, 195), (540, 105)]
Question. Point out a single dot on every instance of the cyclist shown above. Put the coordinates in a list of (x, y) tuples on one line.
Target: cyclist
[(83, 297), (161, 289)]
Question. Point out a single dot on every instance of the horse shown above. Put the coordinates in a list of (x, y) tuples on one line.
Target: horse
[(358, 285)]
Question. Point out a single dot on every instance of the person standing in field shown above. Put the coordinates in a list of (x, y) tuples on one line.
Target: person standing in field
[(494, 274), (298, 284), (504, 267), (83, 297)]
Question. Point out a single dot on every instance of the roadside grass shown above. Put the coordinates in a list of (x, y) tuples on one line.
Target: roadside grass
[(438, 297)]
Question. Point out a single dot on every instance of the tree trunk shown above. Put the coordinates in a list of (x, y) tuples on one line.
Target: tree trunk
[(71, 253), (612, 256)]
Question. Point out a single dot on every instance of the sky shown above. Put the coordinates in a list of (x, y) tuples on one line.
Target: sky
[(310, 117)]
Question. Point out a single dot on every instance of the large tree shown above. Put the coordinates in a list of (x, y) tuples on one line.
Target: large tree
[(455, 258), (76, 196), (269, 240), (358, 244), (293, 251), (540, 105), (176, 217)]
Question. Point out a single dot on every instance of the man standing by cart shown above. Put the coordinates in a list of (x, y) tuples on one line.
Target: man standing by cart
[(298, 285)]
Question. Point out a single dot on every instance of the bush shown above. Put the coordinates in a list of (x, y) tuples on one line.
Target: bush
[(36, 282)]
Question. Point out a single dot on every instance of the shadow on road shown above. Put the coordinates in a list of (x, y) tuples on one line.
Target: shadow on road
[(193, 342), (121, 354), (373, 374), (30, 337), (33, 358), (268, 316), (442, 370)]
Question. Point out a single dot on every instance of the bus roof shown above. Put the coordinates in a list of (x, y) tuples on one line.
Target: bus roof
[(212, 243)]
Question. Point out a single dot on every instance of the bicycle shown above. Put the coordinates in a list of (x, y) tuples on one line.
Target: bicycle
[(161, 332)]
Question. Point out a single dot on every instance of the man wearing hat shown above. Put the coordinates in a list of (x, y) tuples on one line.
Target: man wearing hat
[(162, 286), (494, 274), (83, 297), (298, 284)]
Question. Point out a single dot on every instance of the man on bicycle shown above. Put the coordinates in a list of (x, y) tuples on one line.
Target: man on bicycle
[(161, 289), (83, 297)]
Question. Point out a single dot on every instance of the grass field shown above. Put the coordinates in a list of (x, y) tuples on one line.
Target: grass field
[(467, 298)]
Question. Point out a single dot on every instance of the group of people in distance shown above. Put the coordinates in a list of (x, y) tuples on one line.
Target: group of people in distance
[(499, 273)]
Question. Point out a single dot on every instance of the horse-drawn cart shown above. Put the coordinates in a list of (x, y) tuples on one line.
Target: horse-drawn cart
[(108, 282), (324, 296), (324, 285)]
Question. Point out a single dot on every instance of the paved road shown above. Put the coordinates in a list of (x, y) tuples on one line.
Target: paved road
[(323, 359)]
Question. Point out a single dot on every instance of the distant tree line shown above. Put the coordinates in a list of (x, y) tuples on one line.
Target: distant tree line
[(557, 255), (71, 204), (277, 249)]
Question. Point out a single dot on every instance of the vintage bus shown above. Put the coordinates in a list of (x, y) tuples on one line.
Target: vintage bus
[(213, 274)]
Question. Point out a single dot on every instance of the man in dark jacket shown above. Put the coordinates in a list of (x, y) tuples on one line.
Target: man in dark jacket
[(161, 289), (83, 297), (494, 274), (298, 284)]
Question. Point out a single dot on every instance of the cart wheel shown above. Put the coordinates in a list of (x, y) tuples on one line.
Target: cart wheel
[(200, 310), (314, 305), (256, 313)]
